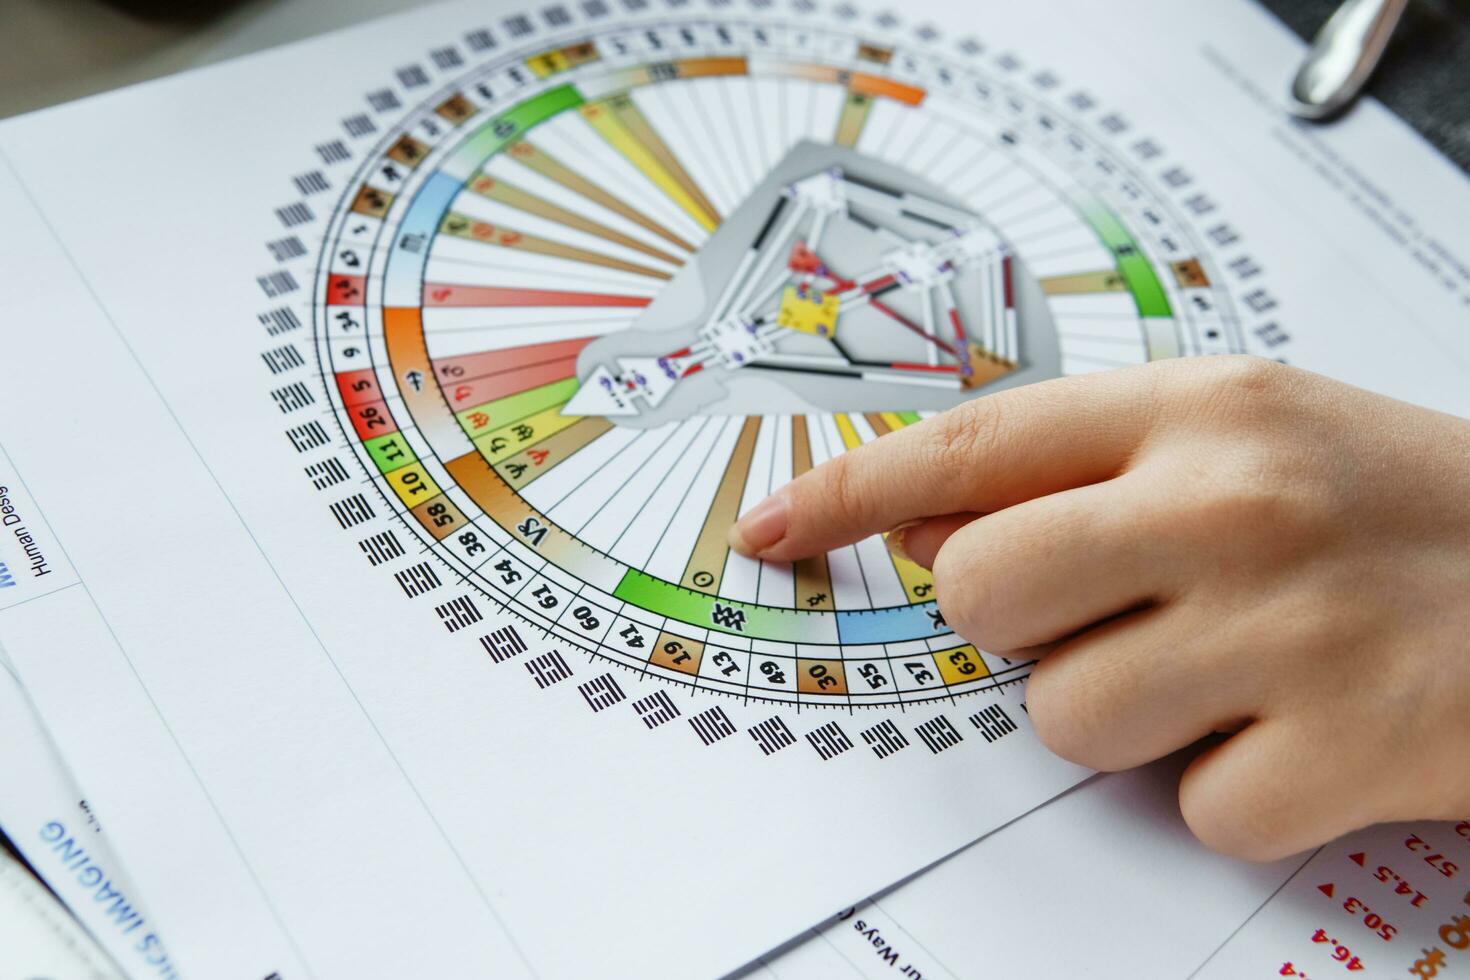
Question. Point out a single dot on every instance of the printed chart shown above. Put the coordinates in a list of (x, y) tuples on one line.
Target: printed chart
[(582, 304), (547, 300)]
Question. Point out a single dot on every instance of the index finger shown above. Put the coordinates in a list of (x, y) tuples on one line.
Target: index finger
[(981, 456)]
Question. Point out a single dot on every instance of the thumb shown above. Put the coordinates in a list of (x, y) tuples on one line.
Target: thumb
[(920, 541)]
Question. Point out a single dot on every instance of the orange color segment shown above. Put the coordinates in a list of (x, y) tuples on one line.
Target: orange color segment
[(885, 87)]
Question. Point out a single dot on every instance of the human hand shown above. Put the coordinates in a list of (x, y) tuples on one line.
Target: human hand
[(1206, 545)]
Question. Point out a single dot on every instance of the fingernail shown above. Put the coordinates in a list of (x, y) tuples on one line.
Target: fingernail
[(894, 539), (761, 527)]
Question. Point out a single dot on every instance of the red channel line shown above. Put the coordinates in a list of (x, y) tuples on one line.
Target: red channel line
[(882, 307), (959, 328), (803, 259), (933, 368)]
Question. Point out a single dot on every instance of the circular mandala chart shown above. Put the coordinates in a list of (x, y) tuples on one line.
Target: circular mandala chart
[(588, 300)]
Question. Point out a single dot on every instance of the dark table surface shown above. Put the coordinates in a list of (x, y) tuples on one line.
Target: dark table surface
[(1425, 74)]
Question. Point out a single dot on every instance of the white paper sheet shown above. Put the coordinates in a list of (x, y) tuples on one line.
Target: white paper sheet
[(277, 706), (1387, 902), (1105, 881)]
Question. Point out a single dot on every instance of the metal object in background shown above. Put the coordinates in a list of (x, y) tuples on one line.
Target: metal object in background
[(1343, 56), (38, 936), (170, 11)]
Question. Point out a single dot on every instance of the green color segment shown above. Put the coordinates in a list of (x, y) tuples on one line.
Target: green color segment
[(513, 408), (698, 609), (510, 126), (390, 452), (909, 418), (1136, 269)]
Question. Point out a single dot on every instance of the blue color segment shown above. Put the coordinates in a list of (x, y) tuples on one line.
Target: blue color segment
[(893, 625)]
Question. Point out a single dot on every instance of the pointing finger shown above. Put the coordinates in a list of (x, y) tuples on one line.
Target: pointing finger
[(982, 456)]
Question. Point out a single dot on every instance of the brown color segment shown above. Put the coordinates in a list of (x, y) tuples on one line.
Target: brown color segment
[(854, 116), (456, 108), (824, 677), (440, 516), (504, 192), (1101, 281), (485, 233), (637, 123), (876, 421), (985, 367), (551, 168), (372, 202), (408, 151), (677, 653), (1190, 274), (525, 466), (707, 561), (813, 579)]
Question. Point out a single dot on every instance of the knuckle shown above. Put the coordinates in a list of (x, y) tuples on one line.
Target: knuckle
[(1236, 385), (1247, 373), (1059, 712)]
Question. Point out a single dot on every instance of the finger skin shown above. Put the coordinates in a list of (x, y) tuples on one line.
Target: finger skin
[(1139, 687), (920, 542), (1322, 531), (1047, 568), (981, 456), (1276, 788)]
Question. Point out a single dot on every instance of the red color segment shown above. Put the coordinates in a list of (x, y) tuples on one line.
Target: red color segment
[(469, 367), (346, 291), (363, 399), (357, 387), (465, 394), (803, 259), (372, 420), (449, 294)]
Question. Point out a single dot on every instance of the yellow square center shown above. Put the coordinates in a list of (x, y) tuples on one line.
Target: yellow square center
[(815, 313)]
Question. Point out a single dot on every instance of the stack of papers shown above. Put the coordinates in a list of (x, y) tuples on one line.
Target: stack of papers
[(376, 407)]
